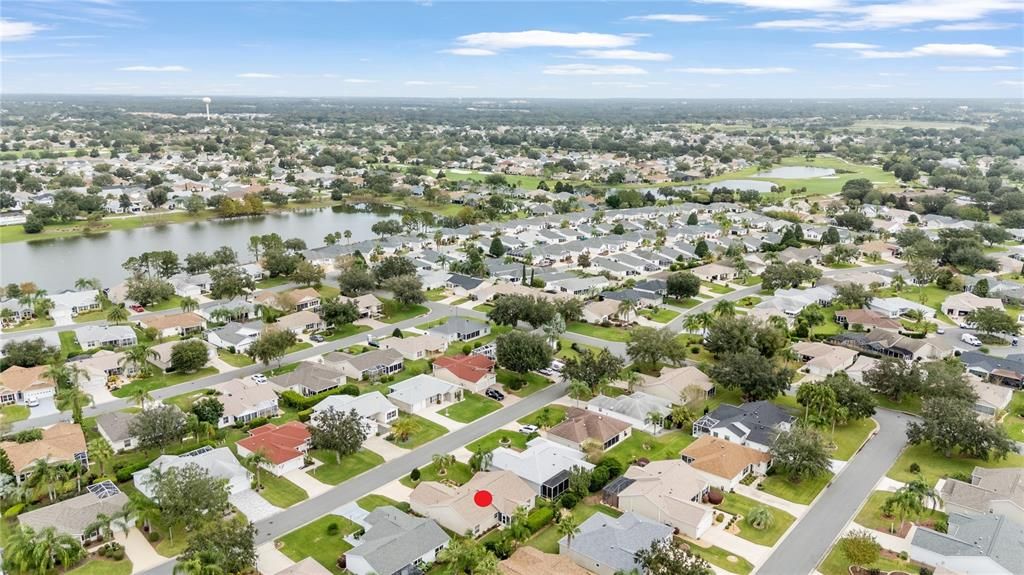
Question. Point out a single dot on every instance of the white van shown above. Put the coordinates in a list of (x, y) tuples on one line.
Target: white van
[(970, 339)]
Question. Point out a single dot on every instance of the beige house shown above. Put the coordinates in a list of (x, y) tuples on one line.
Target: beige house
[(992, 398), (368, 305), (413, 348), (298, 322), (372, 364), (61, 443), (175, 324), (823, 359), (715, 272), (245, 401), (19, 384), (724, 463), (668, 492), (959, 305), (455, 509), (581, 425), (160, 354), (605, 310), (678, 385)]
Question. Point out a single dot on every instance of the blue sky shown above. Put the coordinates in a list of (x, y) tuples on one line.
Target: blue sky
[(694, 49)]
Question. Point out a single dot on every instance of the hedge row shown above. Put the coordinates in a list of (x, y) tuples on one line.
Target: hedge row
[(295, 400)]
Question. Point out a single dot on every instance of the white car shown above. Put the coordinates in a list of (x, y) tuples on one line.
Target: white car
[(528, 429), (259, 378), (970, 339), (32, 402)]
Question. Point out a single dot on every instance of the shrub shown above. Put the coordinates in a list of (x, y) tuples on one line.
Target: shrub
[(415, 474), (874, 571), (102, 551), (942, 525), (350, 389), (253, 424), (924, 571), (720, 518), (598, 479), (516, 383), (569, 500), (305, 414), (332, 528), (153, 536), (984, 349), (915, 468), (467, 349), (539, 518), (695, 350), (117, 554), (613, 466), (13, 510)]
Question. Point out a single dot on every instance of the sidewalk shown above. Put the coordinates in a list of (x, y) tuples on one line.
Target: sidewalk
[(794, 509)]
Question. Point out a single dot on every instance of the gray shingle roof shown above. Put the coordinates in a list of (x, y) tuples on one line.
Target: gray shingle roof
[(614, 542), (395, 539)]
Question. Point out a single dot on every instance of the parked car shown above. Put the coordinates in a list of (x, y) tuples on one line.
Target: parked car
[(259, 378), (970, 339), (557, 366), (137, 308), (940, 330), (317, 338), (495, 394), (528, 429), (32, 402)]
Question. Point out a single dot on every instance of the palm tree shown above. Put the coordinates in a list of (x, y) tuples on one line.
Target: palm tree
[(6, 316), (45, 474), (254, 246), (117, 314), (101, 526), (100, 452), (258, 459), (519, 529), (42, 306), (73, 399), (403, 428), (681, 414), (58, 372), (188, 304), (578, 390), (653, 418), (691, 323), (136, 357), (481, 459), (760, 518), (705, 321), (626, 309), (442, 462), (569, 527), (904, 503), (42, 551), (140, 395), (142, 509), (348, 236), (202, 563), (725, 308)]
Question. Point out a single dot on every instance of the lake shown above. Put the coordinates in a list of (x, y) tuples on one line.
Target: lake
[(55, 264), (742, 185), (796, 173)]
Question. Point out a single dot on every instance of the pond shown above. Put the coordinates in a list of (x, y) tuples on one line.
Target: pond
[(742, 185), (796, 173), (55, 264)]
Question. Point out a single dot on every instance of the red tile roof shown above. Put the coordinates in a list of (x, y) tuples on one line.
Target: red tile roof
[(280, 443), (466, 367)]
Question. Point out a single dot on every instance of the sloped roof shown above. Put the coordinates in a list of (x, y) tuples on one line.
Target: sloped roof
[(280, 443), (466, 367), (722, 458), (396, 539), (60, 442), (581, 425)]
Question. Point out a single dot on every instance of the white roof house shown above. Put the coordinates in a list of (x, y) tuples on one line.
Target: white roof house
[(894, 307), (416, 393), (219, 463), (542, 465), (632, 409), (375, 409)]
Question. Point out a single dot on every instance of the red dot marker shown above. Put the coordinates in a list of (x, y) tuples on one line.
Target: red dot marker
[(483, 498)]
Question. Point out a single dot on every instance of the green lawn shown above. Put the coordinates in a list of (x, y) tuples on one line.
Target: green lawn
[(173, 302), (720, 558), (935, 466), (95, 315), (850, 437), (32, 323), (618, 334), (426, 431), (818, 186), (298, 347), (279, 491), (184, 401), (566, 350), (272, 282), (660, 314), (472, 407), (802, 493), (162, 380), (534, 382), (483, 308), (334, 473), (13, 413), (717, 288), (731, 396), (234, 359), (909, 404), (547, 538), (69, 343), (281, 370), (870, 515), (1013, 422), (458, 473), (328, 292), (493, 439), (427, 325), (460, 301), (836, 564), (412, 368), (100, 566), (930, 295), (683, 303), (314, 541), (666, 446), (373, 501), (737, 504), (347, 330), (545, 417), (436, 294), (459, 346), (395, 312)]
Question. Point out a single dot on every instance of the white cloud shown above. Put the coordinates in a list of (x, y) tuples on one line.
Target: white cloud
[(424, 83), (625, 55), (469, 52), (977, 68), (851, 15), (543, 39), (13, 30), (627, 85), (677, 18), (845, 46), (359, 81), (1012, 83), (800, 24), (973, 27), (593, 70), (891, 74), (257, 75), (735, 71), (153, 69), (942, 50), (815, 5)]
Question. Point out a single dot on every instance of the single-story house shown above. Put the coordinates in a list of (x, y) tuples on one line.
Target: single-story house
[(455, 509), (678, 384), (369, 365), (606, 310), (310, 378), (986, 544), (582, 425), (866, 318), (474, 373), (297, 299), (92, 336), (395, 542), (894, 307), (160, 354), (220, 463), (284, 446), (307, 566), (996, 491), (991, 398), (544, 465), (417, 347), (72, 303), (115, 427), (298, 322), (461, 285), (460, 329), (961, 304), (715, 272), (368, 305), (823, 359), (422, 391), (236, 337), (245, 401), (754, 424), (724, 463), (669, 492), (60, 443), (635, 409), (175, 324), (77, 516), (606, 545), (376, 412), (20, 384)]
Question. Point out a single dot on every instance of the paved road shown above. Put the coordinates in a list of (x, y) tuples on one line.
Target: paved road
[(806, 545), (311, 509)]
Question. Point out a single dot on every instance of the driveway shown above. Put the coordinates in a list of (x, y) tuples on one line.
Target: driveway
[(252, 505), (808, 542), (46, 408), (307, 483)]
